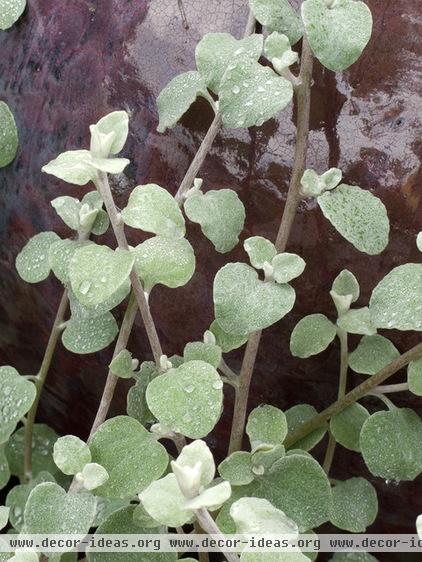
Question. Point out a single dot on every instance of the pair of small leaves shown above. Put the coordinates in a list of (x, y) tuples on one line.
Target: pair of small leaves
[(202, 351), (86, 215), (314, 185), (278, 15), (277, 49), (16, 397), (123, 365), (9, 139), (354, 505)]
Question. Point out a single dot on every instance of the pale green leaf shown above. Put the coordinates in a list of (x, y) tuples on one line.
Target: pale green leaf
[(117, 123), (312, 184), (355, 505), (165, 503), (176, 98), (198, 452), (278, 15), (250, 94), (142, 518), (258, 516), (221, 215), (101, 223), (96, 272), (16, 397), (137, 406), (109, 165), (347, 425), (32, 262), (107, 506), (237, 468), (153, 209), (337, 34), (9, 139), (287, 267), (4, 468), (372, 354), (212, 498), (266, 425), (391, 444), (277, 49), (358, 216), (128, 473), (346, 284), (419, 241), (188, 399), (122, 365), (227, 341), (89, 335), (357, 321), (243, 303), (200, 351), (10, 12), (414, 377), (74, 166), (169, 261), (264, 458), (396, 301), (259, 250), (59, 255), (68, 210), (312, 335), (217, 52), (92, 476), (83, 312), (4, 516), (297, 416), (71, 454)]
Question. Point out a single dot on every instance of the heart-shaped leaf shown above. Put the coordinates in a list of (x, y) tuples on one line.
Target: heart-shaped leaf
[(89, 335), (357, 321), (250, 94), (68, 210), (71, 454), (358, 216), (152, 209), (96, 272), (396, 301), (227, 341), (259, 250), (74, 166), (128, 473), (9, 139), (170, 262), (347, 425), (287, 267), (176, 98), (217, 51), (188, 399), (391, 444), (312, 335), (200, 351), (297, 416), (278, 15), (32, 262), (16, 397), (414, 377), (257, 515), (355, 505), (372, 354), (221, 215), (60, 254), (237, 468), (244, 304), (346, 284), (266, 425), (337, 33), (122, 365)]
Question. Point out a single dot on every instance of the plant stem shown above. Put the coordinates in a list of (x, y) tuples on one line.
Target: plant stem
[(211, 527), (303, 97), (354, 395), (390, 388)]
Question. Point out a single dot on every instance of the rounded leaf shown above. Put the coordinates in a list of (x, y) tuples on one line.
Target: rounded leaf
[(357, 321), (74, 166), (259, 516), (372, 354), (311, 335), (347, 425), (68, 209), (117, 124), (278, 15), (414, 377), (354, 506), (89, 335), (266, 425), (237, 468), (32, 262), (165, 503), (121, 366), (200, 351), (9, 139), (16, 397), (259, 250), (227, 341), (346, 284), (71, 454), (297, 416), (92, 476), (287, 267)]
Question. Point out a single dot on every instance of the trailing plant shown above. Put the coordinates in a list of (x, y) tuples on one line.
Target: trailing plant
[(123, 478)]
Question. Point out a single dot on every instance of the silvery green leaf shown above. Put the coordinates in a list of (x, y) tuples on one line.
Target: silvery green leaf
[(50, 510), (96, 272), (216, 52), (176, 98), (396, 301), (287, 267), (342, 303), (198, 452), (9, 139), (243, 303), (312, 335), (117, 123), (227, 341), (297, 416), (93, 199), (259, 250), (109, 165), (337, 34), (257, 515), (137, 406), (142, 518), (128, 473), (10, 12), (74, 166), (43, 440), (264, 458), (358, 216), (201, 351), (59, 255), (372, 354), (165, 503), (391, 444), (4, 468), (32, 262), (212, 498), (353, 557), (266, 425), (237, 468), (101, 223), (4, 516), (346, 284), (16, 397), (221, 215), (107, 506), (278, 15), (71, 454), (121, 365), (414, 377), (188, 399), (346, 426), (355, 505), (89, 335), (92, 476), (331, 178), (68, 210), (419, 241), (169, 261), (277, 49), (357, 321), (311, 184), (152, 209), (250, 94), (83, 312)]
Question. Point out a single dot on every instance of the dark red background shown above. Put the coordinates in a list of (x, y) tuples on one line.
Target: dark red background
[(64, 65)]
